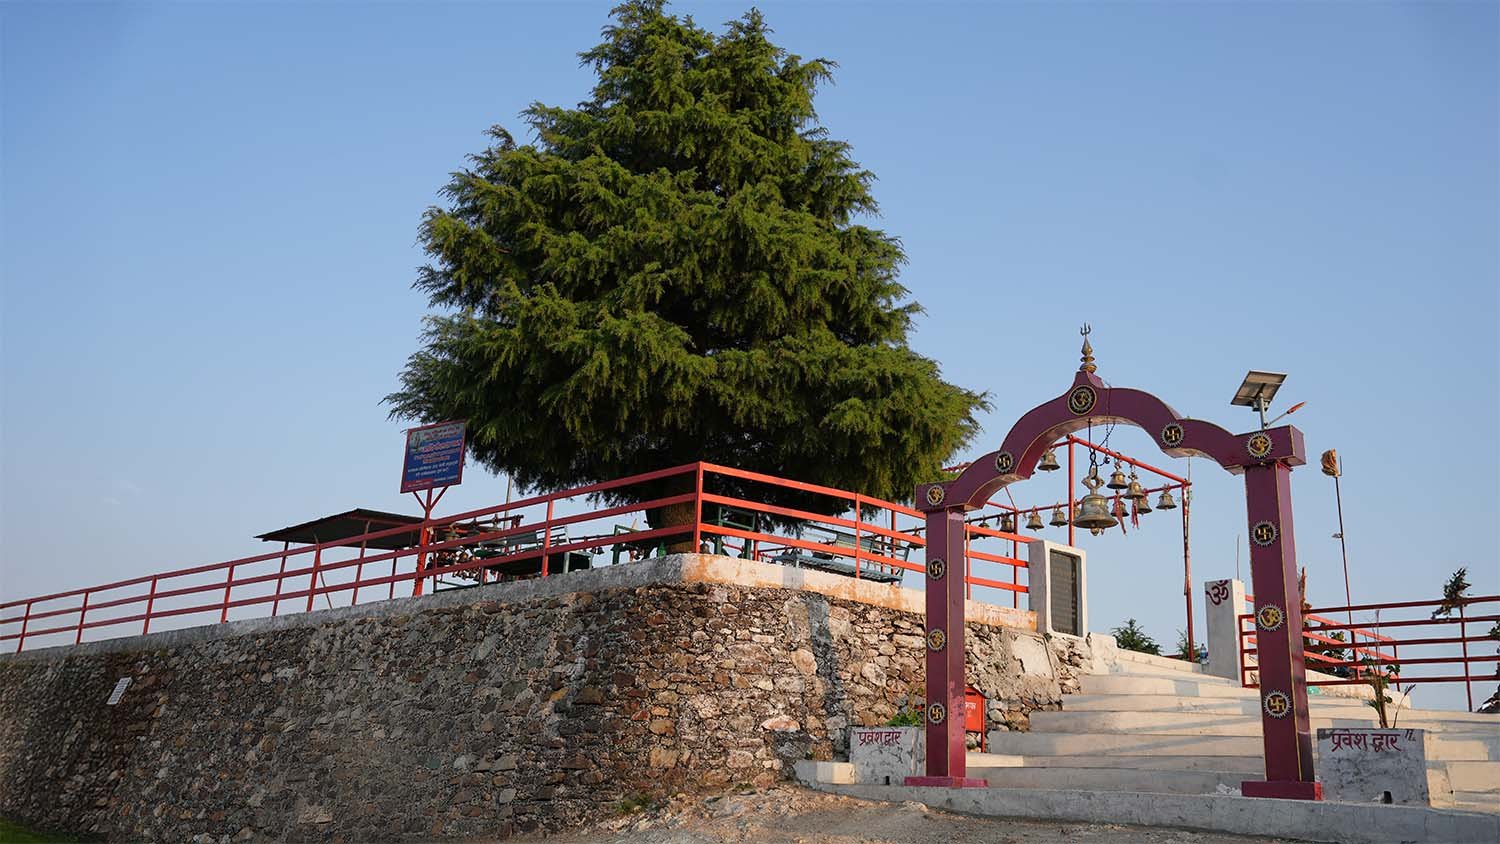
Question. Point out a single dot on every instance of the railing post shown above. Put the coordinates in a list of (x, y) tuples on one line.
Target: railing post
[(276, 605), (82, 614), (1463, 635), (150, 603), (312, 579), (698, 512), (392, 595), (228, 584), (25, 620), (359, 570), (547, 535), (859, 517)]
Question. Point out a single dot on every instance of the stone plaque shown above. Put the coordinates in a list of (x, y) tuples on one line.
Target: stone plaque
[(887, 755), (1373, 765)]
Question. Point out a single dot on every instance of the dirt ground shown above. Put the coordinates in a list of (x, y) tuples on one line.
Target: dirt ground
[(788, 815)]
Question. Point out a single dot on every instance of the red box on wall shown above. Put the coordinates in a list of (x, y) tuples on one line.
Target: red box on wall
[(974, 715)]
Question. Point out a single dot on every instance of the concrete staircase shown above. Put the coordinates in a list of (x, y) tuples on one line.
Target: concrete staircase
[(1161, 725)]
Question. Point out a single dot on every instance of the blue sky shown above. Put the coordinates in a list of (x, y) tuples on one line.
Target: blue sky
[(210, 216)]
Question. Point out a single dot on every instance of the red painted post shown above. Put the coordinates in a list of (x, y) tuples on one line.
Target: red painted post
[(359, 570), (84, 611), (947, 763), (1285, 729), (547, 536), (1187, 573), (150, 602), (1071, 541), (1463, 635), (228, 584), (968, 569), (698, 511), (280, 573), (312, 579), (25, 620), (858, 521), (422, 539)]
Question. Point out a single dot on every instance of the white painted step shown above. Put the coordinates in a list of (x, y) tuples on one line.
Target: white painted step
[(1113, 779), (1240, 764), (1474, 777), (1440, 749), (1159, 662), (1477, 801), (1246, 705), (1130, 684), (1115, 744), (1227, 724)]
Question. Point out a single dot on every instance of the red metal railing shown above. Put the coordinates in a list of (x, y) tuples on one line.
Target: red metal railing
[(1376, 643), (536, 536)]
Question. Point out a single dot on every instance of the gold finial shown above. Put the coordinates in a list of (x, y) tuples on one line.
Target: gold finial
[(1088, 351)]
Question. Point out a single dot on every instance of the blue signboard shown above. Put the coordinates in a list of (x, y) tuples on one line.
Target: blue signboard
[(434, 457)]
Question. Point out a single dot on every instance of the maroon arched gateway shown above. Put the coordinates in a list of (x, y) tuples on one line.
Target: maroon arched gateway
[(1264, 457)]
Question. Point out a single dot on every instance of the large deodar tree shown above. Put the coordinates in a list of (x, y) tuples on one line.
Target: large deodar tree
[(676, 270)]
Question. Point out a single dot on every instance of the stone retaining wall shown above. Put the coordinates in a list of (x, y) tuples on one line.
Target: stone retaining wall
[(505, 708)]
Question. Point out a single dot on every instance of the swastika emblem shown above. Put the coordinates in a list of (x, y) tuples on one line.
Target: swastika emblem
[(936, 494), (936, 639), (936, 568), (1270, 617), (936, 712), (1278, 705), (1259, 445), (1263, 534), (1005, 463), (1172, 435), (1081, 400)]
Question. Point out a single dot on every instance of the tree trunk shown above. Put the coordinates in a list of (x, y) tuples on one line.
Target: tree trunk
[(674, 515)]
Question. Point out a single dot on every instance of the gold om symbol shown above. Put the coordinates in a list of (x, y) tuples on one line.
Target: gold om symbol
[(1081, 400)]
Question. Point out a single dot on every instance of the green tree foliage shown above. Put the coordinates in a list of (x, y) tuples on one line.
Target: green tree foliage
[(1131, 637), (676, 270), (1337, 653), (1454, 593)]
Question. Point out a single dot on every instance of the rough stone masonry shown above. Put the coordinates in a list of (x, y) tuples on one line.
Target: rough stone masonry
[(485, 711)]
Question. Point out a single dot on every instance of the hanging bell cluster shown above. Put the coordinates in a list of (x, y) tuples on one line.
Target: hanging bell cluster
[(1049, 462), (1093, 509)]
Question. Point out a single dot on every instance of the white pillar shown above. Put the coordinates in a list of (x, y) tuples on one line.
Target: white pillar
[(1058, 588), (1223, 602)]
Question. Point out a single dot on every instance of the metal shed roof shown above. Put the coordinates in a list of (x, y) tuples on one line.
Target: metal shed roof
[(350, 525)]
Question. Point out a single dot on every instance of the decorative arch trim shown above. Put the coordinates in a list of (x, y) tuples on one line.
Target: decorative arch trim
[(1044, 424)]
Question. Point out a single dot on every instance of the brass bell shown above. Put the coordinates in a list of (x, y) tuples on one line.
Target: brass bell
[(1059, 518), (1035, 521), (1117, 478), (1119, 508), (1049, 462), (1008, 523), (1165, 502), (1093, 509), (1135, 492), (1143, 506)]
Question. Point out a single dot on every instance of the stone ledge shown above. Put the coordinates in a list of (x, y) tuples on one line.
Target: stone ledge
[(671, 569)]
